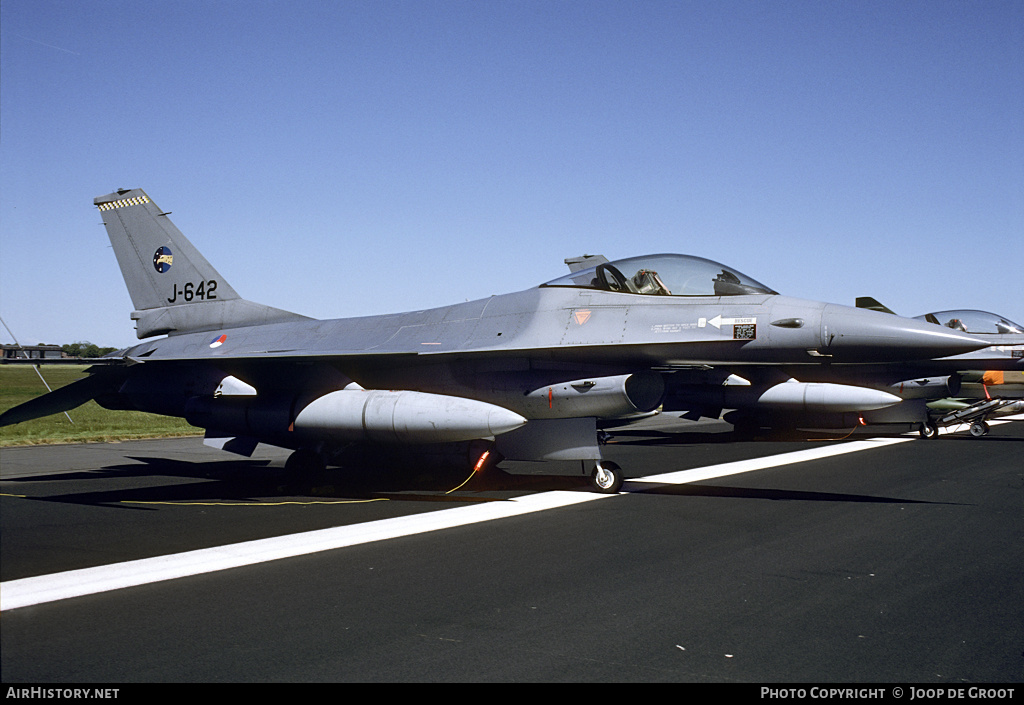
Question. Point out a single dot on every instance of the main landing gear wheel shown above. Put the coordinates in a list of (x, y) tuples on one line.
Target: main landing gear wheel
[(607, 477), (979, 429), (928, 430)]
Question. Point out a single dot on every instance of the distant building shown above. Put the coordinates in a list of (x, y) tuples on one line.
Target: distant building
[(33, 352)]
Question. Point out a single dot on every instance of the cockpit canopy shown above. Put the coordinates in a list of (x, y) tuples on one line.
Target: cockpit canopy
[(664, 275), (977, 322)]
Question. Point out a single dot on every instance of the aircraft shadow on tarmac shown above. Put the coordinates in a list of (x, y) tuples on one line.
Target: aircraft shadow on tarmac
[(237, 481), (984, 439), (149, 467), (685, 438), (260, 481), (694, 490)]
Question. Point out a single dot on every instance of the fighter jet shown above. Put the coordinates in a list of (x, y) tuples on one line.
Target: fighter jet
[(930, 390), (998, 368), (525, 376)]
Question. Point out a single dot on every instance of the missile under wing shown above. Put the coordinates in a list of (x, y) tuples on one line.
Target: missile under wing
[(527, 376)]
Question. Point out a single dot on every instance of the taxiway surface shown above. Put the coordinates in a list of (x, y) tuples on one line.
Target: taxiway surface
[(895, 561)]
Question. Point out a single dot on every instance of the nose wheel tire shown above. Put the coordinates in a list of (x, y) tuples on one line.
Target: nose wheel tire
[(606, 477)]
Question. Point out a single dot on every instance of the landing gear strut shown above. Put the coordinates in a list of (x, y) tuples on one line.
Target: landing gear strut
[(606, 477)]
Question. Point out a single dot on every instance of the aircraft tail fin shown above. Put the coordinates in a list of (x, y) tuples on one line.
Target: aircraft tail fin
[(872, 304), (173, 287)]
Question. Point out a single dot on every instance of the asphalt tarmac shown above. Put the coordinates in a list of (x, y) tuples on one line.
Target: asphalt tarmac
[(790, 561)]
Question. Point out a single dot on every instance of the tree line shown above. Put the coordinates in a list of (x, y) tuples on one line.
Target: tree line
[(85, 349)]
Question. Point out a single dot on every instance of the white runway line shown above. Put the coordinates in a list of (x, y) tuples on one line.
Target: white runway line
[(771, 461), (89, 581)]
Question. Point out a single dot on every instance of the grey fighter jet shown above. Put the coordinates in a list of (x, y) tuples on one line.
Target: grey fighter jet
[(525, 376), (979, 385), (931, 391)]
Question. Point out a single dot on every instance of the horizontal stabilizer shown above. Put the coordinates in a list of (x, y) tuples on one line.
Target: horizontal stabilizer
[(239, 445), (207, 316), (63, 399)]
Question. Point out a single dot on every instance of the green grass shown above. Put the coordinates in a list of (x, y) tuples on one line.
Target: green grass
[(92, 423)]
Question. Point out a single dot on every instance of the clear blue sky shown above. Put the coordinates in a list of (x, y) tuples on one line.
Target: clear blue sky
[(349, 158)]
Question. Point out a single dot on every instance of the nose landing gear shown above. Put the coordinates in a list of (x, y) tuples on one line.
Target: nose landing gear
[(606, 477)]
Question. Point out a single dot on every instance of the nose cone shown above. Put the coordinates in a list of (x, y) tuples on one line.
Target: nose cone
[(861, 335)]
